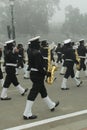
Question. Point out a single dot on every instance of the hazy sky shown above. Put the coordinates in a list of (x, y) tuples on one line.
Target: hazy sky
[(81, 4)]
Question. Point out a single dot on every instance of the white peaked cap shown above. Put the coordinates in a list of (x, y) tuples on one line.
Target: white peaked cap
[(75, 47), (33, 39), (81, 40), (67, 41), (10, 41)]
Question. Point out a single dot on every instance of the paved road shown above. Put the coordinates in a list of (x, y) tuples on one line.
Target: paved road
[(71, 101)]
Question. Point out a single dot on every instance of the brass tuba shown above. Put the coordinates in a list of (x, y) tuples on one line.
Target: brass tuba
[(51, 68)]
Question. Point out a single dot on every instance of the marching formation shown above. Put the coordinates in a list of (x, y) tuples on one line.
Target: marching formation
[(42, 61)]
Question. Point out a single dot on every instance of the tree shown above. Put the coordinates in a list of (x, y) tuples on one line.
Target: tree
[(32, 16), (74, 21)]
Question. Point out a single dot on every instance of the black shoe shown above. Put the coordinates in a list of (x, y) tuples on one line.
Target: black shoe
[(64, 88), (53, 109), (30, 118), (26, 78), (79, 84), (77, 77), (55, 78), (24, 92), (61, 74), (7, 98)]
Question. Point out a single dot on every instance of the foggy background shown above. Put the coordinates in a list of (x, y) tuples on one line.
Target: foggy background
[(54, 20)]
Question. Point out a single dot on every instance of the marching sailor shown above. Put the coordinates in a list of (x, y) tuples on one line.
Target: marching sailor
[(44, 51), (70, 59), (21, 58), (11, 64), (59, 53), (63, 67), (82, 51), (37, 76)]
